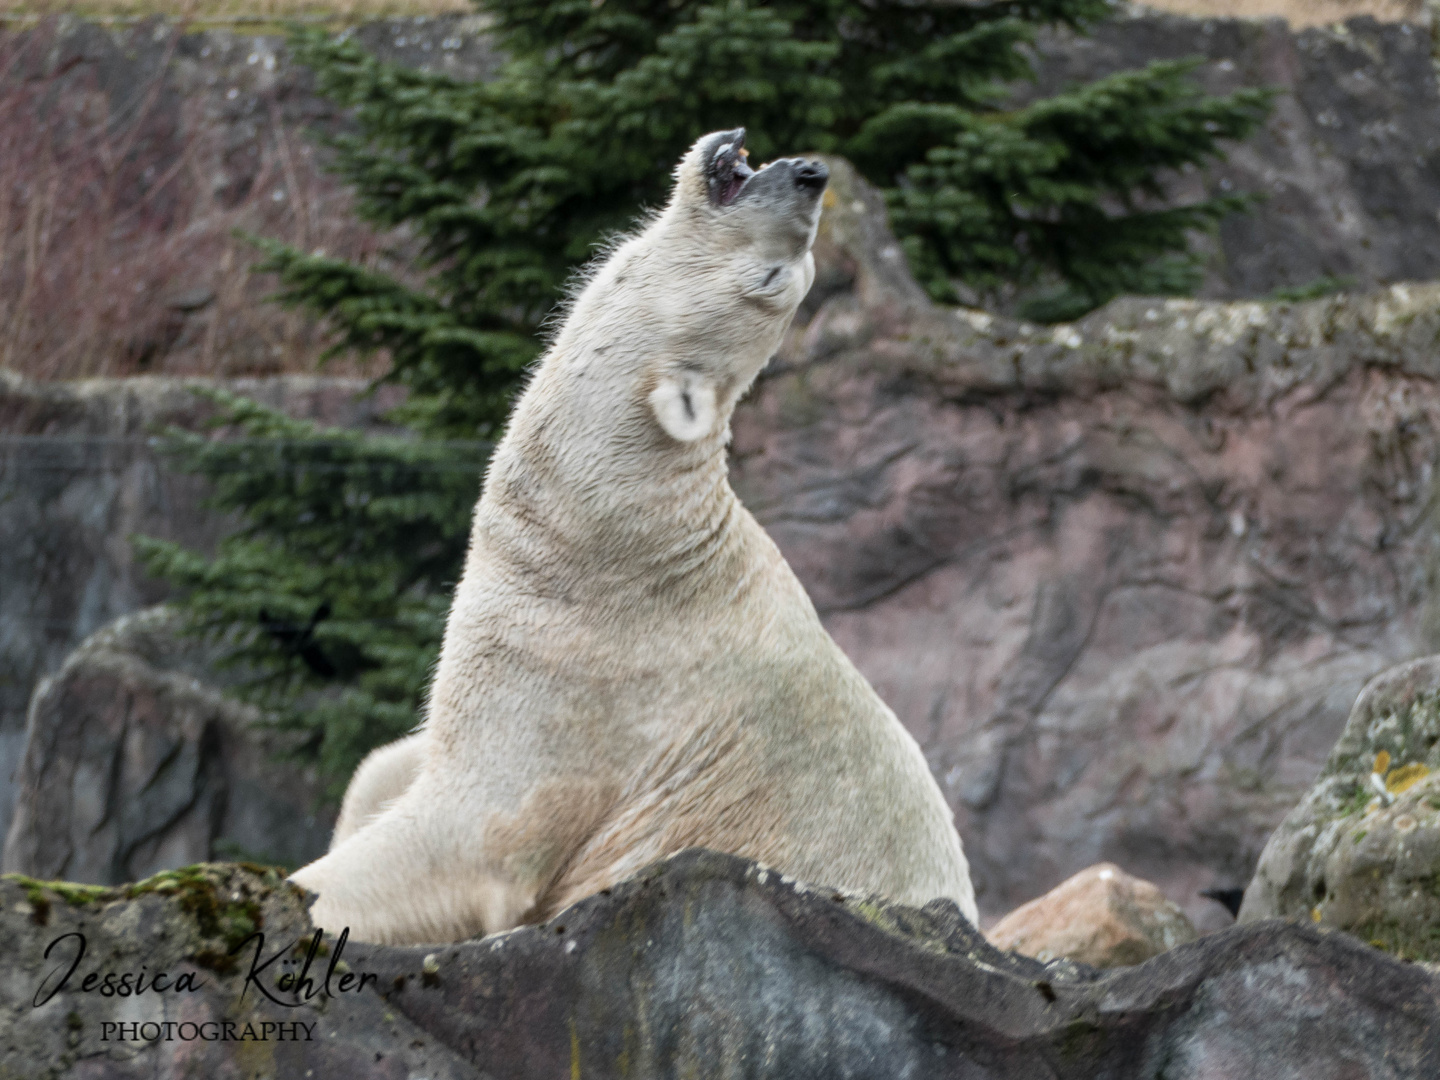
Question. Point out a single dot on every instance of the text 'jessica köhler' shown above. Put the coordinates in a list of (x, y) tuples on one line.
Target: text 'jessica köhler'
[(288, 977)]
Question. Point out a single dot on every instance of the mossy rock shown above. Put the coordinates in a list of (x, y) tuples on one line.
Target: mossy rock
[(209, 909), (1361, 852)]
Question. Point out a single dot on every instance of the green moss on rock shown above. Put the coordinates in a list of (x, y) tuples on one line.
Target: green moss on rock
[(1401, 939), (223, 901)]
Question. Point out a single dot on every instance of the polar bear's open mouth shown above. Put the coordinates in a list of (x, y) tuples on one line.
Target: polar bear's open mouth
[(728, 171)]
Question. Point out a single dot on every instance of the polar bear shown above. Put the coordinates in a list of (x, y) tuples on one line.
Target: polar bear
[(630, 667)]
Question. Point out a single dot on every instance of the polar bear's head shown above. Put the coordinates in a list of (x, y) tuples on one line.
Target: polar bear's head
[(676, 323), (746, 234), (770, 213)]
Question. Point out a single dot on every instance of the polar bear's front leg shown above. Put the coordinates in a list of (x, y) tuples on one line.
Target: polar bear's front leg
[(384, 775), (418, 873)]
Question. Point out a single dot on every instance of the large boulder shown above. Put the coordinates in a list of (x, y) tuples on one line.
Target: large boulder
[(1102, 916), (136, 762), (703, 965), (1361, 852)]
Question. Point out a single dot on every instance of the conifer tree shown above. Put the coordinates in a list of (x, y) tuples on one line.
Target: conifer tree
[(509, 185)]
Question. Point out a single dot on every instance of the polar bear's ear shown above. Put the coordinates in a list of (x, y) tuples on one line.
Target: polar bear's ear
[(684, 403)]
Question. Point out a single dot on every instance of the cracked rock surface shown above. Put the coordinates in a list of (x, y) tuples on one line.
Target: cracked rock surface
[(1122, 579), (136, 761), (705, 965)]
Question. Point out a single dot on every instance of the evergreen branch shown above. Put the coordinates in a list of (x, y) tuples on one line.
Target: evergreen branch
[(1118, 132), (961, 68)]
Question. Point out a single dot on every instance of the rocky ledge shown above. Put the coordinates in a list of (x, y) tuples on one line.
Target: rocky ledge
[(702, 964)]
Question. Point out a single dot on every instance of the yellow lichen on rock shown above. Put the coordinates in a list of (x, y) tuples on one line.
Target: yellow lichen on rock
[(1405, 777)]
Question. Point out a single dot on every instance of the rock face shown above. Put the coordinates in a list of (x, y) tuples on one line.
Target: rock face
[(1298, 12), (1346, 166), (702, 965), (1102, 917), (78, 477), (101, 115), (1362, 850), (1122, 579), (134, 765)]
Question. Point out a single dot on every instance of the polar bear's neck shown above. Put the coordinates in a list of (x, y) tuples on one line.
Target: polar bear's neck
[(586, 493), (587, 488), (595, 524)]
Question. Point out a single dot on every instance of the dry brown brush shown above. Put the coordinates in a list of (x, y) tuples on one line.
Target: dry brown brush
[(120, 209)]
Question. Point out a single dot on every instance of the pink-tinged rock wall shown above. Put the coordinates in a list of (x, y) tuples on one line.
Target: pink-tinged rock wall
[(1122, 579)]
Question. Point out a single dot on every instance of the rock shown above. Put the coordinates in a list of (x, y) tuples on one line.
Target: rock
[(1362, 850), (1102, 917), (1382, 879), (78, 476), (1346, 163), (133, 764), (183, 924), (701, 965), (1121, 579), (1298, 12)]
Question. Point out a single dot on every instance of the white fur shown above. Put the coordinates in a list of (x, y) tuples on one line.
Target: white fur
[(381, 779), (630, 667)]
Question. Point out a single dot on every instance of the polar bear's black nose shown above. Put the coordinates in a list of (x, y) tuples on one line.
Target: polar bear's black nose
[(812, 175)]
